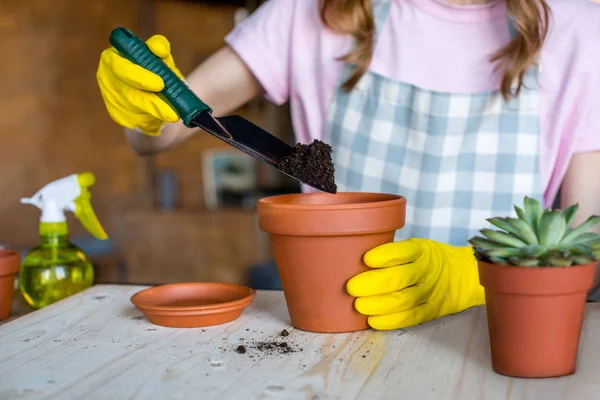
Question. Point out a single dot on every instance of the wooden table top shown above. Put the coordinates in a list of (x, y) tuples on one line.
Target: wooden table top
[(96, 345)]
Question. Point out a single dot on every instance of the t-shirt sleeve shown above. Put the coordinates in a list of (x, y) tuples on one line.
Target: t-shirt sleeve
[(263, 41), (588, 141), (589, 135)]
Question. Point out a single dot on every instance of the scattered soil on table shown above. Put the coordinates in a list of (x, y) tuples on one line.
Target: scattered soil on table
[(269, 347), (275, 347), (311, 164), (285, 333)]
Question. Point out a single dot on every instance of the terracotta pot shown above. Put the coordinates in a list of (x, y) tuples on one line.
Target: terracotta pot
[(535, 317), (10, 262), (318, 242)]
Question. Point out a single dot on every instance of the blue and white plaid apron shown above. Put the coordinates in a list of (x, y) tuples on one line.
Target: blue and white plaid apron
[(457, 158)]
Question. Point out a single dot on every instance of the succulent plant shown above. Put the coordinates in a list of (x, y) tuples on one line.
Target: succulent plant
[(538, 238)]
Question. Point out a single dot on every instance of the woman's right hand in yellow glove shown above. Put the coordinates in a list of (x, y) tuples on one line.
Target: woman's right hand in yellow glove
[(129, 91)]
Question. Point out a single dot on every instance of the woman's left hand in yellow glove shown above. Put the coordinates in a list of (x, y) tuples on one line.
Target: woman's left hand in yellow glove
[(415, 281)]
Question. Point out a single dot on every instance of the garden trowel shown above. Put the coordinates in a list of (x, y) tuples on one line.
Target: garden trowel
[(234, 130)]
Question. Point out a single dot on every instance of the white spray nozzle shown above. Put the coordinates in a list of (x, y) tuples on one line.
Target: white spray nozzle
[(68, 194)]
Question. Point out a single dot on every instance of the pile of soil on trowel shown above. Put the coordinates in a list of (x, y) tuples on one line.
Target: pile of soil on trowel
[(312, 164)]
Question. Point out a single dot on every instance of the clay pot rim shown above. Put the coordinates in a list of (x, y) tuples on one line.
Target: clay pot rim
[(193, 310), (536, 281), (9, 262), (271, 201)]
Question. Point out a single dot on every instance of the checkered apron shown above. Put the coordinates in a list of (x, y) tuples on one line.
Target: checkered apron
[(457, 158)]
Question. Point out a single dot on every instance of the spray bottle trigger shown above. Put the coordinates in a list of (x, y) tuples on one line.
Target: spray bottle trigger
[(83, 208)]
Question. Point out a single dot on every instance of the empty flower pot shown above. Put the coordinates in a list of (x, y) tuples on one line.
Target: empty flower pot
[(10, 262), (318, 242), (535, 315)]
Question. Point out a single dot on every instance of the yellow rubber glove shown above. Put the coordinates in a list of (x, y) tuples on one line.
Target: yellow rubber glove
[(129, 91), (415, 281)]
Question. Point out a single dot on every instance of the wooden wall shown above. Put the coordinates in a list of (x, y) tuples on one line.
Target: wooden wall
[(54, 123)]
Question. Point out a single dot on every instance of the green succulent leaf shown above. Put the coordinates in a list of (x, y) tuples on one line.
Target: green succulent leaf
[(552, 228), (533, 212), (504, 253), (504, 238), (523, 230), (485, 244), (569, 213), (577, 249), (556, 252), (596, 254), (557, 261), (575, 233), (498, 260), (582, 259), (524, 262), (521, 214), (532, 250), (587, 238), (503, 223)]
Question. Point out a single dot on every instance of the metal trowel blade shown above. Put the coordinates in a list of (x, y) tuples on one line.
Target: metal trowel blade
[(248, 138)]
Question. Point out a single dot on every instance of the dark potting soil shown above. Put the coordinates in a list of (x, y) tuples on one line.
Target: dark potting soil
[(284, 333), (312, 164)]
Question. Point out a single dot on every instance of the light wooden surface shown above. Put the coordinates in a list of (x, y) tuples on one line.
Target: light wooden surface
[(95, 345)]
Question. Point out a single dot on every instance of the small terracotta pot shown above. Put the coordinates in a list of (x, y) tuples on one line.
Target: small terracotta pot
[(318, 242), (10, 262), (535, 317)]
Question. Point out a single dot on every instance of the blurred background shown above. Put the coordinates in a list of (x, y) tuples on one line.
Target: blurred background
[(185, 215)]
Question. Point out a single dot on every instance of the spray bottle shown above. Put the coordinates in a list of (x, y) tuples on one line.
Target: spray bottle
[(56, 267)]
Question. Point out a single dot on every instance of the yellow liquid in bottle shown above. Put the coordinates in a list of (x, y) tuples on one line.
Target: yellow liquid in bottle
[(54, 270)]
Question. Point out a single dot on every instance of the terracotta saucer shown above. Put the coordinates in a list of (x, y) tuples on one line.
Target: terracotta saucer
[(194, 304)]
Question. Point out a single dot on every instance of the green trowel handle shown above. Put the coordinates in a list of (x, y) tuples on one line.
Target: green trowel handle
[(176, 93)]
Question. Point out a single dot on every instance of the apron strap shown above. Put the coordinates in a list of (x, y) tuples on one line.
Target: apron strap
[(381, 9)]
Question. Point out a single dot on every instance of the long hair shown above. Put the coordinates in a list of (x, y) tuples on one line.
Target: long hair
[(355, 18)]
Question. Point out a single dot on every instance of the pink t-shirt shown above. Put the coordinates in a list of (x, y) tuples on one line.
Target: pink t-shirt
[(436, 46)]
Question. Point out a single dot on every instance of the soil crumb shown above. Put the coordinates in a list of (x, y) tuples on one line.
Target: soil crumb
[(312, 164), (285, 333), (241, 349)]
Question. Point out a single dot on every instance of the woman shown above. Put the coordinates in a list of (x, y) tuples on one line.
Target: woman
[(462, 106)]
